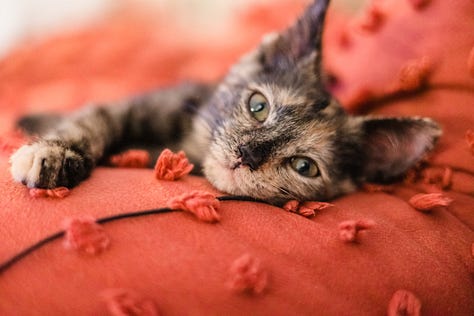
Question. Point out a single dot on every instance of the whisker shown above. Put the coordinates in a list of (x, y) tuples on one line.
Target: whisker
[(284, 191)]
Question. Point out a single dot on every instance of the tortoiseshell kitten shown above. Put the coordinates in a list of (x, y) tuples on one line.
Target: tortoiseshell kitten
[(268, 130)]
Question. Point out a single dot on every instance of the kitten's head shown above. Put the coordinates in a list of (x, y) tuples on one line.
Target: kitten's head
[(277, 134)]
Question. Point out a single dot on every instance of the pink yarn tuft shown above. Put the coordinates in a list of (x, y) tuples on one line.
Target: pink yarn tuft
[(373, 18), (246, 275), (200, 203), (306, 209), (427, 202), (58, 193), (127, 302), (345, 39), (419, 4), (404, 303), (11, 141), (349, 230), (292, 206), (470, 135), (414, 74), (133, 158), (85, 235), (171, 166)]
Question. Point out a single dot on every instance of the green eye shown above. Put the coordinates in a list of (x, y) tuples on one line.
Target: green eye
[(258, 107), (304, 166)]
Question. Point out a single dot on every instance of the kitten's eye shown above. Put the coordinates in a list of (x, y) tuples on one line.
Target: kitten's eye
[(304, 166), (258, 107)]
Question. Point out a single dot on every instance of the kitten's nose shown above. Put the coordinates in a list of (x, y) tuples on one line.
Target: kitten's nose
[(251, 157)]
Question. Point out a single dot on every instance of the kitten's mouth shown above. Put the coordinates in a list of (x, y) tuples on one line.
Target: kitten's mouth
[(236, 165)]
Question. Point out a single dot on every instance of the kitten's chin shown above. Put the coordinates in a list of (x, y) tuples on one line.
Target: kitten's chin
[(221, 177), (231, 178)]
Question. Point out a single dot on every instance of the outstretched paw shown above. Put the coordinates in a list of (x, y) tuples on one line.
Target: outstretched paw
[(49, 164)]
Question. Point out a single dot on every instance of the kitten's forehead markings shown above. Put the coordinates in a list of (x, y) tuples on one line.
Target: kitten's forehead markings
[(247, 67)]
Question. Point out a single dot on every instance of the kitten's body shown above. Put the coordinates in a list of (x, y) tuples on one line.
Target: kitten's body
[(268, 130)]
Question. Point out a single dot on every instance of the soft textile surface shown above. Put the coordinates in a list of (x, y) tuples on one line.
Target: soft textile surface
[(372, 252)]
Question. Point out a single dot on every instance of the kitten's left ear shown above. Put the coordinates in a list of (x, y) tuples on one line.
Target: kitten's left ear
[(393, 145), (298, 41)]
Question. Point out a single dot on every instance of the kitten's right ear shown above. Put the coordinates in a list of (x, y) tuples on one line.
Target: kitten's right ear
[(393, 145), (300, 40)]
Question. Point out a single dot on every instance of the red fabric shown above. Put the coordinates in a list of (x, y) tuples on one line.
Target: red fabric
[(174, 263), (395, 47)]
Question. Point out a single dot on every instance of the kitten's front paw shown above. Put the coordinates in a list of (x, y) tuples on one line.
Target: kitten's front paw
[(49, 164)]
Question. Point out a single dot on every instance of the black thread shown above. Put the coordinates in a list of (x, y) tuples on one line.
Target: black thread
[(243, 198), (10, 262), (7, 264)]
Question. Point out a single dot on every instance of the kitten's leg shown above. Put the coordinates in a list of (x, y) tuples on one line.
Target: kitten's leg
[(67, 152)]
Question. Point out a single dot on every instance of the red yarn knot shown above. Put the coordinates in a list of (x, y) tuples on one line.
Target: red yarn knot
[(427, 202), (404, 303), (200, 203), (246, 275), (442, 178), (349, 230), (470, 139), (344, 38), (306, 209), (133, 158), (373, 18), (414, 74), (85, 235), (127, 302), (57, 193), (291, 206), (419, 4), (447, 179), (171, 166)]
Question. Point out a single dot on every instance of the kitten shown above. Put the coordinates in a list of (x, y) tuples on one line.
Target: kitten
[(268, 130)]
